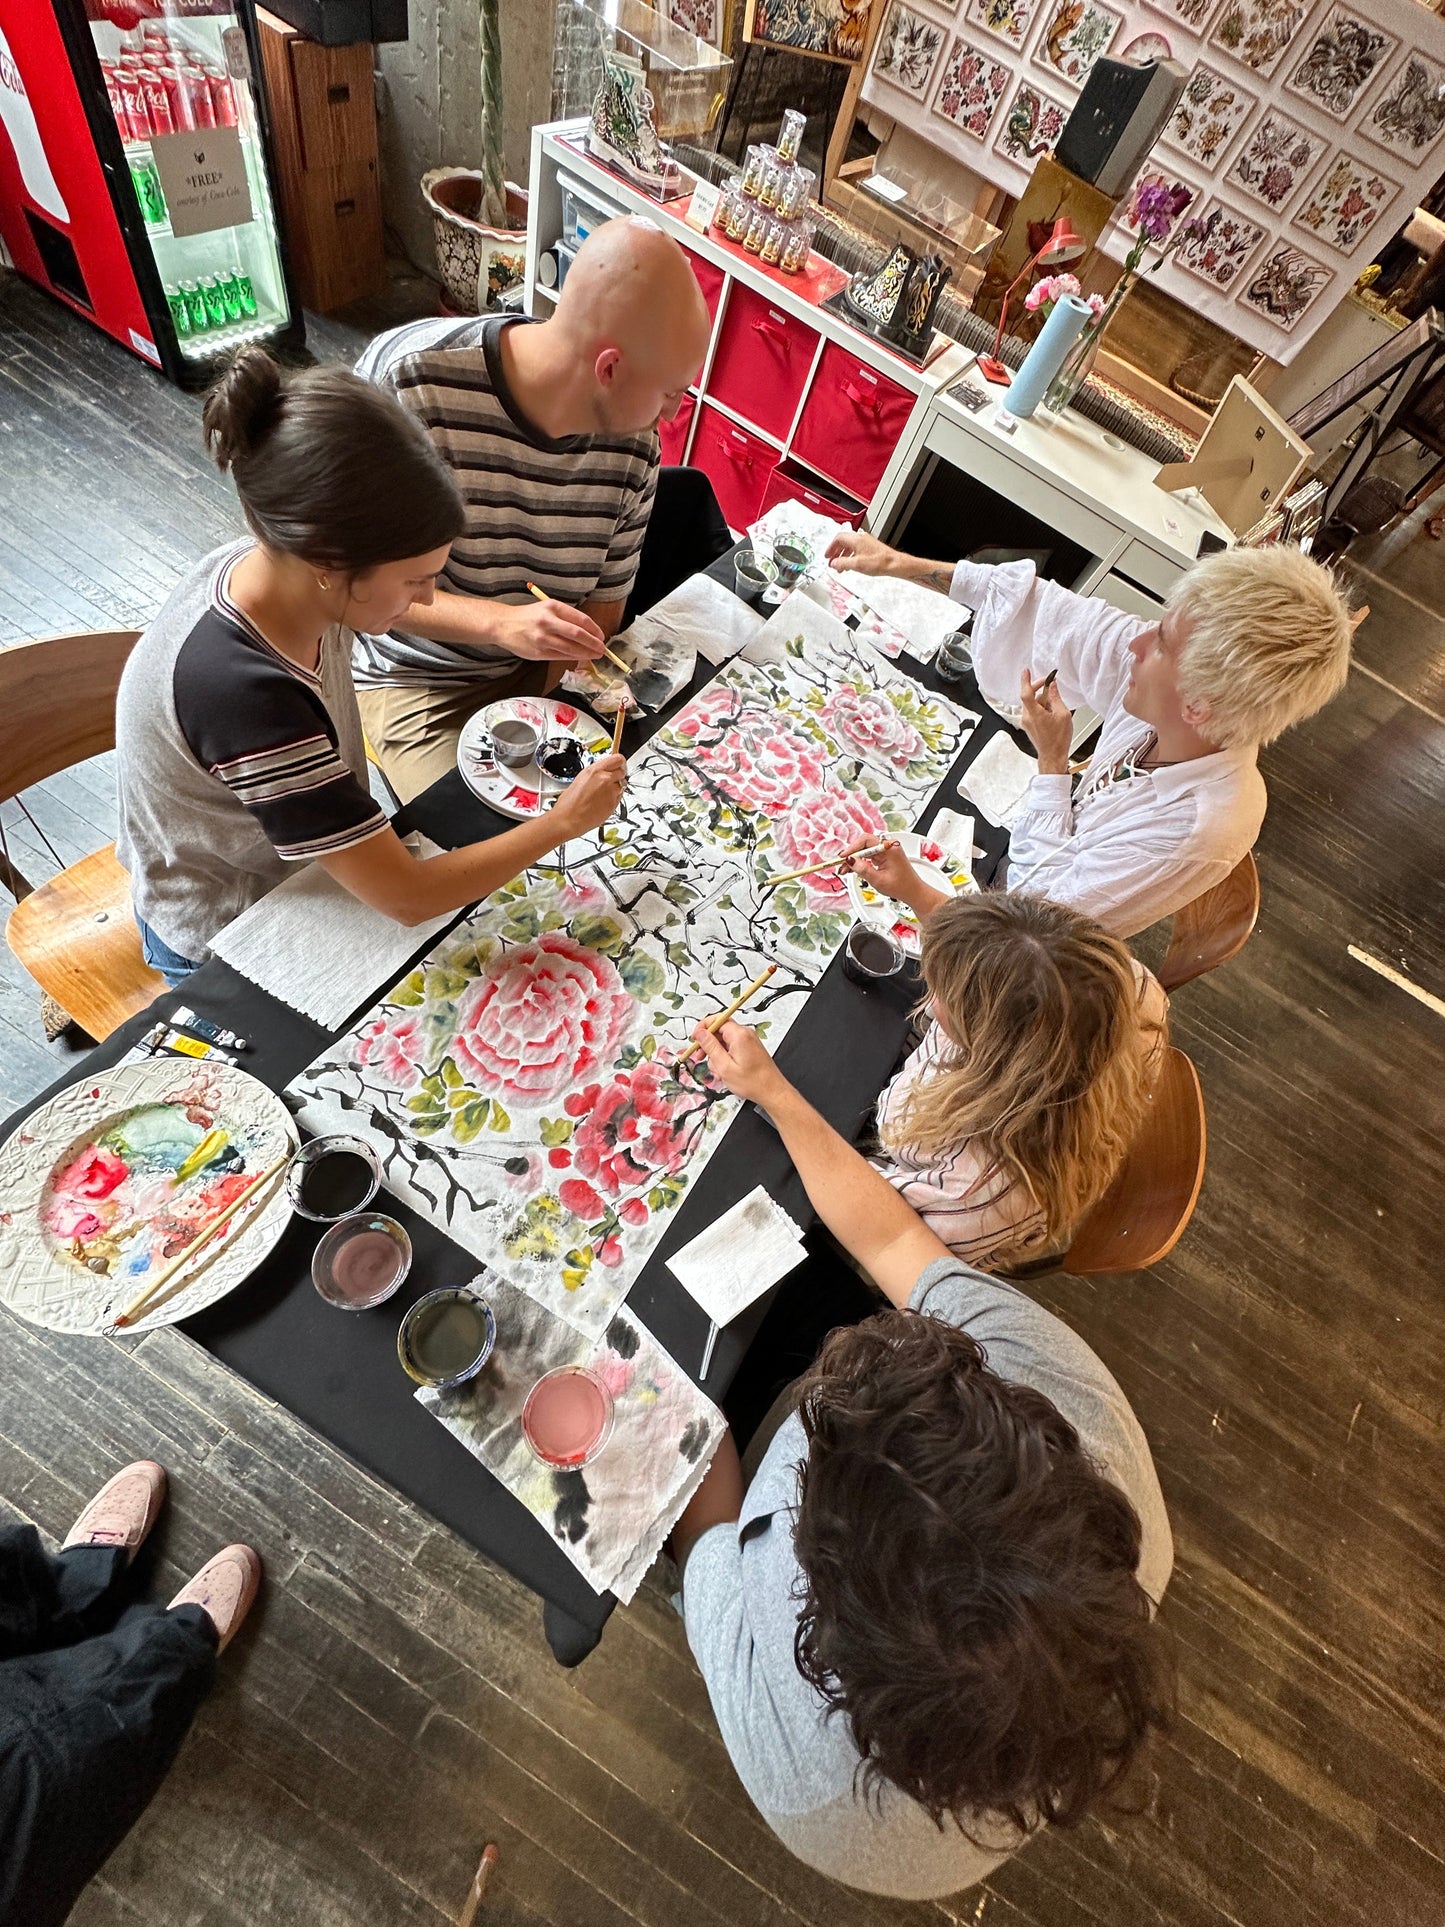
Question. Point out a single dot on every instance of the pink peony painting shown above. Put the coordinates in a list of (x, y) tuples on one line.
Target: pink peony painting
[(521, 1086)]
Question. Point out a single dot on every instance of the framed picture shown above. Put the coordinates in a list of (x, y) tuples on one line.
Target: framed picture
[(708, 19), (821, 29)]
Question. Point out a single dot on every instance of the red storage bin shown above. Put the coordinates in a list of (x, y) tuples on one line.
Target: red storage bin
[(851, 422), (761, 363), (672, 436), (708, 278), (785, 487), (738, 463)]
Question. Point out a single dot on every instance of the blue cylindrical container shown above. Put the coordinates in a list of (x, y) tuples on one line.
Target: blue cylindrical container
[(1046, 357)]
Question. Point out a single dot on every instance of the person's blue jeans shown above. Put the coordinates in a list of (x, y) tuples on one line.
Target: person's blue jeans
[(158, 954)]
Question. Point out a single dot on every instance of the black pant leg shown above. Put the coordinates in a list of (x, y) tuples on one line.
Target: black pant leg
[(47, 1602), (685, 532), (87, 1734)]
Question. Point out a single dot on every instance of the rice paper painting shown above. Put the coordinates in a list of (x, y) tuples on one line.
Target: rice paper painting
[(1257, 32), (521, 1086), (907, 49), (1032, 125), (1410, 114), (609, 1517), (1345, 203), (1344, 58), (1284, 285)]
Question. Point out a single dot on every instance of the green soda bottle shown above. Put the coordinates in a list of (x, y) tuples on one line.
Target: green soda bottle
[(180, 311), (195, 307), (215, 301)]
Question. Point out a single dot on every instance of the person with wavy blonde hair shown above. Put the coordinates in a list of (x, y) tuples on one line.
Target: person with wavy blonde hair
[(1248, 642), (1011, 1118)]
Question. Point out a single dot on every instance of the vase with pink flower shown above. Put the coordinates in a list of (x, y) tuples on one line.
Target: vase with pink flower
[(1153, 211)]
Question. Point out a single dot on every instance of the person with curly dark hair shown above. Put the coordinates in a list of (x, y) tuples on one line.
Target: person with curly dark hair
[(927, 1625)]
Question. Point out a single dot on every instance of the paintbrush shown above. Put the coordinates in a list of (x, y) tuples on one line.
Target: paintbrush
[(791, 876), (1049, 682), (142, 1300), (649, 687), (715, 1024), (478, 1888), (617, 728)]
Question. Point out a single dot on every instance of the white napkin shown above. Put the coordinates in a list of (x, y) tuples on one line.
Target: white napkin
[(739, 1256), (714, 621), (998, 778), (320, 949), (955, 833)]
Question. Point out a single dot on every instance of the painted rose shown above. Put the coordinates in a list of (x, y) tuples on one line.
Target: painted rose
[(821, 825), (394, 1048), (627, 1133), (758, 764), (546, 1015), (866, 720)]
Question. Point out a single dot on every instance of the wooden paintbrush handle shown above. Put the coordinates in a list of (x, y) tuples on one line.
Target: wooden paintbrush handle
[(203, 1237)]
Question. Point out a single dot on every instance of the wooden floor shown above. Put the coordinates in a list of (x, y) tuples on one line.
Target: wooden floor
[(392, 1706)]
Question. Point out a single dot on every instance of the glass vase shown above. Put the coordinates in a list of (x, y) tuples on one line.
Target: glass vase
[(1085, 351)]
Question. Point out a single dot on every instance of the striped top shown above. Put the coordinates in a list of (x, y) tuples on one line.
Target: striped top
[(568, 515), (232, 761), (982, 1212)]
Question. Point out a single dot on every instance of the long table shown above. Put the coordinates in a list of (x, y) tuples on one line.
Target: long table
[(338, 1372)]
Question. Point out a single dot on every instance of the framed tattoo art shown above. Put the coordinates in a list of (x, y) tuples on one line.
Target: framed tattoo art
[(1211, 111), (1410, 113), (1284, 285), (1218, 244), (1342, 60), (1346, 203), (1257, 32), (908, 49), (1076, 33), (1032, 124), (973, 84), (1276, 160), (1009, 19)]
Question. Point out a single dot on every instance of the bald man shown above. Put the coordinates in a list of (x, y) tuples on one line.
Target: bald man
[(550, 429)]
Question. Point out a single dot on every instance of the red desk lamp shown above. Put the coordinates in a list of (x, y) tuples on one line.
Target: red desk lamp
[(1062, 246)]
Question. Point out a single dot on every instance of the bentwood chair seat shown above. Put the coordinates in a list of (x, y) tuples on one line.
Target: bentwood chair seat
[(1214, 928), (75, 934), (1142, 1215)]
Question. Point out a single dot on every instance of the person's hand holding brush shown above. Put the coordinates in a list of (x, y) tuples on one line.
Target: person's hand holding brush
[(888, 871), (1047, 721)]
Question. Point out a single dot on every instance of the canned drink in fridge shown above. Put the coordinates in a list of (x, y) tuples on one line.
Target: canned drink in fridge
[(110, 74), (178, 96), (246, 294), (195, 307), (159, 117), (215, 301), (180, 311), (223, 100), (230, 294), (147, 184), (196, 91)]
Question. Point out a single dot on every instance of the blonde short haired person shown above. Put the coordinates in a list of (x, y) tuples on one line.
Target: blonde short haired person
[(1250, 641), (1011, 1118)]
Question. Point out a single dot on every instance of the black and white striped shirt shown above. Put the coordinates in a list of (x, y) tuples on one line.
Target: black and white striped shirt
[(233, 762), (568, 515)]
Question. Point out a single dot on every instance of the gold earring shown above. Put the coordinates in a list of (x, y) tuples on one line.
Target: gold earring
[(323, 581)]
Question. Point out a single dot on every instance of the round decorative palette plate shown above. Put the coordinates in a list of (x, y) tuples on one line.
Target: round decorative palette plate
[(524, 792), (106, 1183), (933, 864)]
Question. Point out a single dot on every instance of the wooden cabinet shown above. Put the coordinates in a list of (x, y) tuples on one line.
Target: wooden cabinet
[(323, 114)]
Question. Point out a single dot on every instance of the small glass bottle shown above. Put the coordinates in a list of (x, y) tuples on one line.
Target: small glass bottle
[(795, 193), (752, 176), (790, 135), (772, 249), (771, 182), (740, 212), (796, 247), (758, 224)]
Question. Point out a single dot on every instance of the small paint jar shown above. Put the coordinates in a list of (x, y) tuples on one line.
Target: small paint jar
[(330, 1177), (446, 1337), (790, 135), (361, 1261), (567, 1418), (514, 742), (796, 247)]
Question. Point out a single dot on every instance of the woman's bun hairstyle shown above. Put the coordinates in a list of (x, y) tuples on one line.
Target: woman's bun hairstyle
[(242, 408)]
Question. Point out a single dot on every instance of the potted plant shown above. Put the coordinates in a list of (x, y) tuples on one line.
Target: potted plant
[(480, 218)]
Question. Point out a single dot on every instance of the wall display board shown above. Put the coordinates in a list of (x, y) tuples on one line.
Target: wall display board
[(1307, 132)]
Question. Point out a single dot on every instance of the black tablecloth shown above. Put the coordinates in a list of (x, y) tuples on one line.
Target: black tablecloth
[(338, 1372)]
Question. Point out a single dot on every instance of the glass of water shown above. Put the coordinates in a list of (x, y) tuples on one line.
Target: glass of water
[(954, 660)]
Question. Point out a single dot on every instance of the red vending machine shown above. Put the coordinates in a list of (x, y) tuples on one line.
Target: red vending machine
[(135, 174)]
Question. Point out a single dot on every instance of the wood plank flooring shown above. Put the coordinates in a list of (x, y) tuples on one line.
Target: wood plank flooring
[(392, 1705)]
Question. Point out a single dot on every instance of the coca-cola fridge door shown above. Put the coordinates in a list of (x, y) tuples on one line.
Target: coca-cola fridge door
[(178, 84)]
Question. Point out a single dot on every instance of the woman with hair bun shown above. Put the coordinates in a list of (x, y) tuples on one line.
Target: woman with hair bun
[(239, 744)]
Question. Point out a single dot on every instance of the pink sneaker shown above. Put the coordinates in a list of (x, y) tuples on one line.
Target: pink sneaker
[(124, 1509), (225, 1589)]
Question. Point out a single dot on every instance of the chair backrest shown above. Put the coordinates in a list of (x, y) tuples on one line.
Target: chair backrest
[(57, 703), (1142, 1215), (1214, 928)]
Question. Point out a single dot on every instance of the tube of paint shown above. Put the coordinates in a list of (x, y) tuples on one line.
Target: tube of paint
[(161, 1041), (186, 1019)]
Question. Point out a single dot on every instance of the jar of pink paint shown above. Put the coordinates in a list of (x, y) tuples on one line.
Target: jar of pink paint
[(567, 1418)]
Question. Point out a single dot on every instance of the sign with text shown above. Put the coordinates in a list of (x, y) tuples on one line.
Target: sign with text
[(203, 177)]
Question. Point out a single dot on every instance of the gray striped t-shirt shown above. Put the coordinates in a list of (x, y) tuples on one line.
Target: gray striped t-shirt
[(568, 515)]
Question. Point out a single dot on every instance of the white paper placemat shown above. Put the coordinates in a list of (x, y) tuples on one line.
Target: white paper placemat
[(739, 1256), (320, 949), (997, 780)]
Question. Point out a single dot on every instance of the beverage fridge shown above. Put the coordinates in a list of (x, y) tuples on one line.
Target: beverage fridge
[(135, 174)]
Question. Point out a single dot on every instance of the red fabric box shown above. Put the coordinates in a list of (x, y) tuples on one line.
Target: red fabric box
[(708, 278), (761, 363), (738, 463), (783, 486), (851, 421)]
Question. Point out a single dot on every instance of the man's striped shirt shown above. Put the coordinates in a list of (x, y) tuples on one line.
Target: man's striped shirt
[(568, 515)]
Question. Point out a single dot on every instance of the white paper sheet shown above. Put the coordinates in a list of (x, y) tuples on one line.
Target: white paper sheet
[(320, 949), (700, 611), (739, 1256), (955, 833), (997, 780)]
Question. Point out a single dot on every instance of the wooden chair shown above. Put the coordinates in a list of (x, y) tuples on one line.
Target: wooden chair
[(1142, 1215), (75, 934), (1214, 928)]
